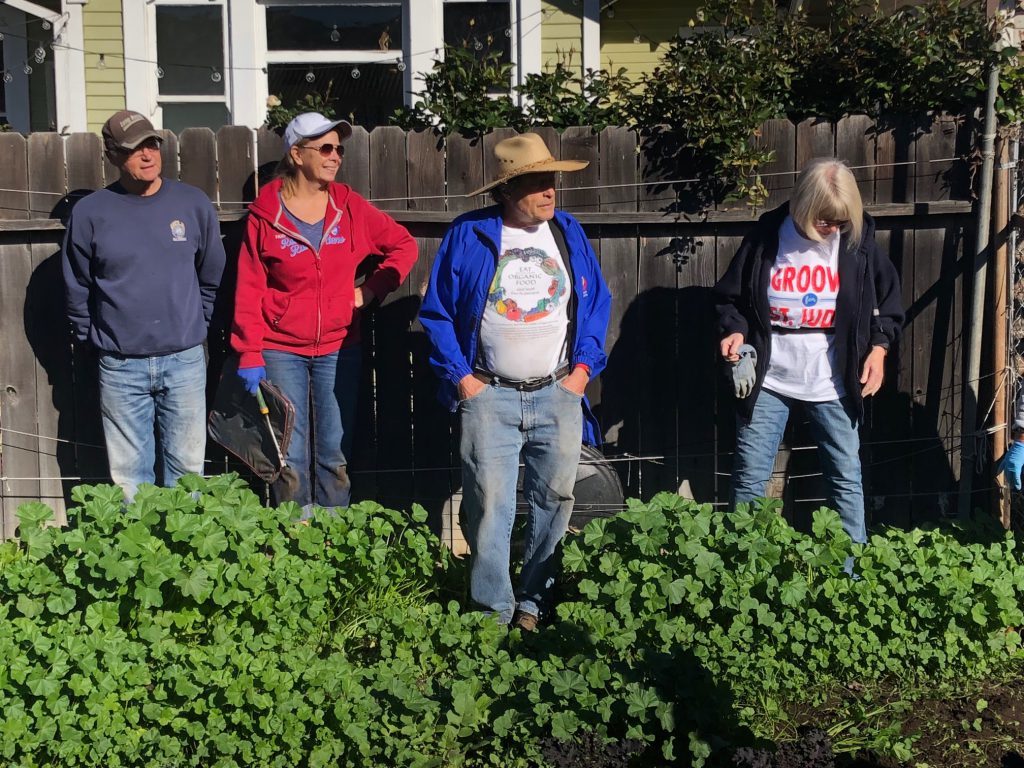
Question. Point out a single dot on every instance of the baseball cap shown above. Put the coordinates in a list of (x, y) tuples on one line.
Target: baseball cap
[(127, 129), (309, 125)]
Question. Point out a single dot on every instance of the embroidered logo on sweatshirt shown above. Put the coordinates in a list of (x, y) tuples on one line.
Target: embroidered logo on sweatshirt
[(293, 246), (334, 237), (178, 231)]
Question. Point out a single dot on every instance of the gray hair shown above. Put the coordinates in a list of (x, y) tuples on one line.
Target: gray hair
[(827, 189)]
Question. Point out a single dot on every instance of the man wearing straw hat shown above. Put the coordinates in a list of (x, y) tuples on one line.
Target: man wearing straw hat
[(516, 313)]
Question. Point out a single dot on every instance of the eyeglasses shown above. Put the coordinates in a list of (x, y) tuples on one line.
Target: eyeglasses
[(829, 223), (153, 145), (325, 150)]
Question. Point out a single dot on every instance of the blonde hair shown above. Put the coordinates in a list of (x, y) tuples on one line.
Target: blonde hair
[(286, 171), (826, 189)]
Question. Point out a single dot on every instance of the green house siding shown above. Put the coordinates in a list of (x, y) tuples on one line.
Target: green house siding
[(635, 33), (104, 88), (562, 34)]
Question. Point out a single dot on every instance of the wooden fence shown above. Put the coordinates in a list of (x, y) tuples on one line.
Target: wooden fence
[(668, 423)]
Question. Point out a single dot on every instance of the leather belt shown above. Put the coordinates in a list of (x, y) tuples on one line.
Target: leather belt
[(527, 385)]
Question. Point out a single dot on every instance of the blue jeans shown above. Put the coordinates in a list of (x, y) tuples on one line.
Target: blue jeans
[(324, 390), (138, 392), (834, 428), (499, 425)]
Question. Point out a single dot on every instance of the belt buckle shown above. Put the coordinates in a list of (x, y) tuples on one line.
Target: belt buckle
[(532, 385)]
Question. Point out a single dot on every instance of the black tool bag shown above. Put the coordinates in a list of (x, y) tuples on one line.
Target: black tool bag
[(236, 424)]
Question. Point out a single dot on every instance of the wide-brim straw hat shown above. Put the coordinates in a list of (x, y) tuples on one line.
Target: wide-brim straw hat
[(526, 153)]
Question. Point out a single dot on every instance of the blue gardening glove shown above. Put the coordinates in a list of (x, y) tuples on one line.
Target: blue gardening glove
[(252, 378), (744, 372), (1012, 463)]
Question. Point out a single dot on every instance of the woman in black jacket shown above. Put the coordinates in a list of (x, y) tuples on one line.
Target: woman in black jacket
[(807, 312)]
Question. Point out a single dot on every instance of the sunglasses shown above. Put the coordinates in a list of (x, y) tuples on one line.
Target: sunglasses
[(829, 223), (325, 150), (153, 145)]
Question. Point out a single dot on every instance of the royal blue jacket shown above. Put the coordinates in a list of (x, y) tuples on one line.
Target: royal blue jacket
[(457, 294)]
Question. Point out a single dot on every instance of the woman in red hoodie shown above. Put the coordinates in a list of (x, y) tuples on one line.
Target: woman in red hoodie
[(297, 305)]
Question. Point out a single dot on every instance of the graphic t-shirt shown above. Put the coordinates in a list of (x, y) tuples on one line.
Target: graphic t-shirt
[(802, 295), (523, 329)]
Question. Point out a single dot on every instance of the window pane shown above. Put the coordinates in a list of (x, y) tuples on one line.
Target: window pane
[(479, 27), (335, 27), (189, 45), (211, 115), (367, 100)]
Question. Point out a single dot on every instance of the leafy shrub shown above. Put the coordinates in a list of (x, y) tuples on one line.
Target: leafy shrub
[(702, 107), (770, 613), (464, 93), (280, 114), (561, 99), (195, 627)]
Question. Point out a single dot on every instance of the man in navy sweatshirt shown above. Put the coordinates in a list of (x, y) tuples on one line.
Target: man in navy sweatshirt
[(142, 262)]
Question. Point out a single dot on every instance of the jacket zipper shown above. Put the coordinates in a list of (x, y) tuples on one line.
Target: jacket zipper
[(570, 339), (479, 309), (319, 297), (320, 279), (319, 272)]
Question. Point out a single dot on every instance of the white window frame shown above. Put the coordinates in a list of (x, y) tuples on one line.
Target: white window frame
[(246, 55), (142, 86), (68, 64), (15, 54)]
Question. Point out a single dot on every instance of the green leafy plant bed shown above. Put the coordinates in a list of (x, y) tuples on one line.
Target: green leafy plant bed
[(195, 627)]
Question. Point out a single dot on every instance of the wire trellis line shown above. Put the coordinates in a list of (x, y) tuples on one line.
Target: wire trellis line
[(463, 196)]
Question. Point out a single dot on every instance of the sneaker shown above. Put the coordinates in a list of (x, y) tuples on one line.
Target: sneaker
[(525, 621)]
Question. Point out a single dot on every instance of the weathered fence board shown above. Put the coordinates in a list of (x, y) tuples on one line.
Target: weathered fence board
[(464, 170), (355, 168), (199, 160), (168, 157), (665, 414), (85, 161), (855, 147), (13, 176), (581, 144), (48, 176), (19, 407), (235, 166), (46, 330), (780, 136), (814, 138)]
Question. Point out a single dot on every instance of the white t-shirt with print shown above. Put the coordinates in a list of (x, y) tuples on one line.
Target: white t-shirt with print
[(524, 325), (802, 294)]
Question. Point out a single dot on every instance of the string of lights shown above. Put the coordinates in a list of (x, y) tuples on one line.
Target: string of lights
[(217, 73)]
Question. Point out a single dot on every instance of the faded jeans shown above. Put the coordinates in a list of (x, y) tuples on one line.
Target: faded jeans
[(834, 428), (138, 392), (324, 390), (500, 426)]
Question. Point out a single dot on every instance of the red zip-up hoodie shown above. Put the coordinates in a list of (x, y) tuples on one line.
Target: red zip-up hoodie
[(292, 298)]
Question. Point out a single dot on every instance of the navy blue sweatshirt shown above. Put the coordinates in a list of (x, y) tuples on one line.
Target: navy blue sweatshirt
[(141, 273)]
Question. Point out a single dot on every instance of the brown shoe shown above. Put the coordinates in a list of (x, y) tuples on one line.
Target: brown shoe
[(525, 621)]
